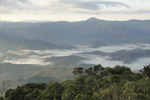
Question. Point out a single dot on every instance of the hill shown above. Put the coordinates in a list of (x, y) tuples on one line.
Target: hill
[(95, 83), (93, 31), (12, 43)]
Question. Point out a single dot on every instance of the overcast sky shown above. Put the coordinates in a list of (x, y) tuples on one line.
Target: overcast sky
[(74, 10)]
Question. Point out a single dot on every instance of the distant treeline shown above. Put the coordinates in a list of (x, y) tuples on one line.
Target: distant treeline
[(95, 83)]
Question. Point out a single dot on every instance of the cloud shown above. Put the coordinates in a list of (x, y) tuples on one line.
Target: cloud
[(23, 1), (59, 5), (137, 11), (142, 11), (11, 6), (94, 5), (15, 6), (13, 2), (62, 9)]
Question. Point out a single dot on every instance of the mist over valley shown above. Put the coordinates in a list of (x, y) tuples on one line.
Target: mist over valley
[(53, 49)]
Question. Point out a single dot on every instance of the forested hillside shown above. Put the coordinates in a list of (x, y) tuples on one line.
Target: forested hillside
[(95, 83), (13, 43), (93, 31)]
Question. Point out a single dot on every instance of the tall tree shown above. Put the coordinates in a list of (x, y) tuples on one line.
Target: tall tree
[(98, 69), (78, 71), (146, 70)]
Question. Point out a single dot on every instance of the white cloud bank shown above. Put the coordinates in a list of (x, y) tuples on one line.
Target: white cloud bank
[(74, 10), (38, 56)]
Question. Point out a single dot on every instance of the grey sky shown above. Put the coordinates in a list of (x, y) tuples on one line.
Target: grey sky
[(74, 10)]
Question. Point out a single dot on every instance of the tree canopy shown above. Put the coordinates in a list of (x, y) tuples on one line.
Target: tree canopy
[(94, 83)]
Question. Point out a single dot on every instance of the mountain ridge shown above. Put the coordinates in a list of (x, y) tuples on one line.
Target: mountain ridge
[(10, 43), (91, 31)]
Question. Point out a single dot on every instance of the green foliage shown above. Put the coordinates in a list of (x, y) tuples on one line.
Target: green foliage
[(78, 70), (114, 79), (1, 98), (146, 70), (88, 72), (25, 92), (98, 69), (53, 91), (97, 83), (119, 70)]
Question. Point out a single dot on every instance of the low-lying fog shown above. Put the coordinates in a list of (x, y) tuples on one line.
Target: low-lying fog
[(38, 56)]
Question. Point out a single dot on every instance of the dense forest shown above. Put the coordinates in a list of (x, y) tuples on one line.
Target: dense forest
[(95, 83)]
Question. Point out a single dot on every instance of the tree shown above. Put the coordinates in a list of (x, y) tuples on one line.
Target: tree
[(98, 69), (118, 70), (28, 96), (89, 71), (53, 91), (4, 86), (78, 71), (146, 70), (114, 78), (74, 71), (1, 98), (69, 93)]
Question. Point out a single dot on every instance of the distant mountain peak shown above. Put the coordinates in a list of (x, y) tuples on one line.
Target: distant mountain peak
[(92, 19)]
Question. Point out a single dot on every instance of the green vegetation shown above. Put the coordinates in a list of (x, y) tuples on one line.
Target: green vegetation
[(93, 32), (146, 70), (94, 83)]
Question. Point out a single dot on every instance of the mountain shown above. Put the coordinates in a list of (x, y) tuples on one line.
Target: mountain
[(11, 43), (44, 58), (65, 61), (130, 56), (93, 31), (127, 56), (31, 73)]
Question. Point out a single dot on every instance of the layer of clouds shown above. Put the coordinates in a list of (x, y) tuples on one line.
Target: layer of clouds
[(89, 5), (37, 56), (63, 5), (13, 3), (58, 5), (69, 9)]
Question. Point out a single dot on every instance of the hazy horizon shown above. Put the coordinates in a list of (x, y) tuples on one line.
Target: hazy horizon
[(74, 10), (47, 21)]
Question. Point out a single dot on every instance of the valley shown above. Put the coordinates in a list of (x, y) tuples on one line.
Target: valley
[(50, 50)]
